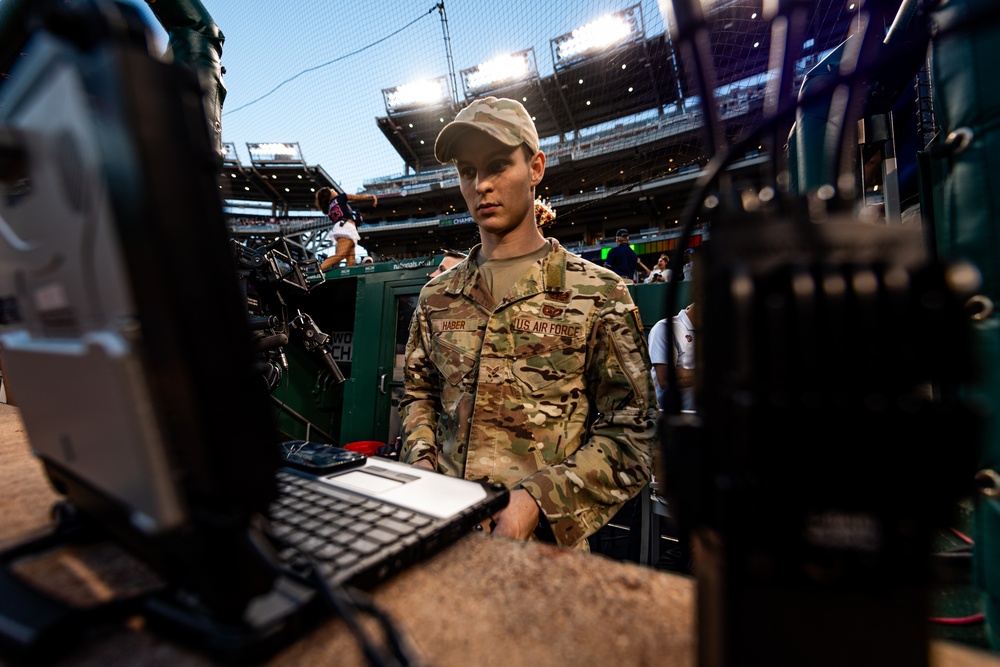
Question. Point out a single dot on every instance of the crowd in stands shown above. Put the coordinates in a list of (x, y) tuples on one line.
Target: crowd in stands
[(264, 221), (251, 221)]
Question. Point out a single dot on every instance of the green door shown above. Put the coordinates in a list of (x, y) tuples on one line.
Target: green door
[(399, 302)]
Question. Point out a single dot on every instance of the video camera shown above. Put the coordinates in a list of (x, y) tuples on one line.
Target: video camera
[(271, 275)]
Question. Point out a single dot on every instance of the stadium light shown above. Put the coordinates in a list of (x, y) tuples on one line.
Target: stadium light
[(427, 91), (275, 152), (230, 156), (506, 67), (597, 35)]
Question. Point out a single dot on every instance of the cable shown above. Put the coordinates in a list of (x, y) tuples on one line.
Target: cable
[(349, 605), (721, 160), (788, 30), (962, 536), (284, 393), (785, 109), (974, 619), (331, 62), (958, 553), (694, 38)]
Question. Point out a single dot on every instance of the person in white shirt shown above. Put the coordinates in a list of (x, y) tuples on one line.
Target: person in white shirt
[(683, 357), (661, 273), (687, 268)]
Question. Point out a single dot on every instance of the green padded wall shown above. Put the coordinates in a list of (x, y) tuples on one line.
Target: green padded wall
[(966, 206)]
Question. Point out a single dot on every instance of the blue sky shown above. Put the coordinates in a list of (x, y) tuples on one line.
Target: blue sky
[(331, 111)]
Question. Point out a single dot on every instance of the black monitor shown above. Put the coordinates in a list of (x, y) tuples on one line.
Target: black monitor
[(122, 330)]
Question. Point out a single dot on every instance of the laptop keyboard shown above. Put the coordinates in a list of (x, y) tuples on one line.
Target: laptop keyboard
[(350, 537)]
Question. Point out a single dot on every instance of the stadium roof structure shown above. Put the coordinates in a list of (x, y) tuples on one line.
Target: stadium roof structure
[(277, 178), (593, 87), (633, 76)]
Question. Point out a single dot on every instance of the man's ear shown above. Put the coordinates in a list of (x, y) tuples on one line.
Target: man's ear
[(536, 165)]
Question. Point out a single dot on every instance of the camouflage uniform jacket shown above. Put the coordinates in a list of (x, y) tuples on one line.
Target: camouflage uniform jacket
[(549, 390)]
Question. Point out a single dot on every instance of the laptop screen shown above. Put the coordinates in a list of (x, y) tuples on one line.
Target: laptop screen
[(122, 330)]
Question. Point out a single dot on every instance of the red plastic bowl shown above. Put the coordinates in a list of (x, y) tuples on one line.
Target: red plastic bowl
[(366, 447)]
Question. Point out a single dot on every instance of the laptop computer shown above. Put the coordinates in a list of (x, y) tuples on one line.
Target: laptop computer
[(125, 338)]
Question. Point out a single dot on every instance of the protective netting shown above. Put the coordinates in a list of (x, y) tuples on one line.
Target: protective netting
[(363, 89)]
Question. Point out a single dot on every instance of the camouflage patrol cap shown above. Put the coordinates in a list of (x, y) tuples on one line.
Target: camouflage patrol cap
[(505, 120)]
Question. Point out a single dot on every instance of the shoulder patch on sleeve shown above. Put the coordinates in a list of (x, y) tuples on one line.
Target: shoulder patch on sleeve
[(638, 320)]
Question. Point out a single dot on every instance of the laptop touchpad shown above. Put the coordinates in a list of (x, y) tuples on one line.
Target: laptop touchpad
[(370, 483), (416, 489)]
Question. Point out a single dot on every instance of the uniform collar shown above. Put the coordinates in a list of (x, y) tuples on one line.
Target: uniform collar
[(549, 275), (685, 320)]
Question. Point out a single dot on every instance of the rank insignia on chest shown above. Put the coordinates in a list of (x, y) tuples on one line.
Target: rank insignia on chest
[(561, 297), (552, 311)]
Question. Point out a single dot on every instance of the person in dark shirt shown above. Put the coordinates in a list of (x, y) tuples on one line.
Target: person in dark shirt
[(345, 232), (622, 259)]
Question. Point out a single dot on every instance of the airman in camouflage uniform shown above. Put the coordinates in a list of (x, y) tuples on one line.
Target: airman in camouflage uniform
[(546, 389)]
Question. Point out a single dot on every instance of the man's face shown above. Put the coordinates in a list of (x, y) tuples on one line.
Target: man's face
[(445, 264), (498, 182)]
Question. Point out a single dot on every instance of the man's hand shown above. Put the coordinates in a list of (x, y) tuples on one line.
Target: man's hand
[(519, 518), (423, 463)]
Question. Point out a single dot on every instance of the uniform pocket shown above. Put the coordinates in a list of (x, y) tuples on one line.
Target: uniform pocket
[(454, 354), (541, 361)]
